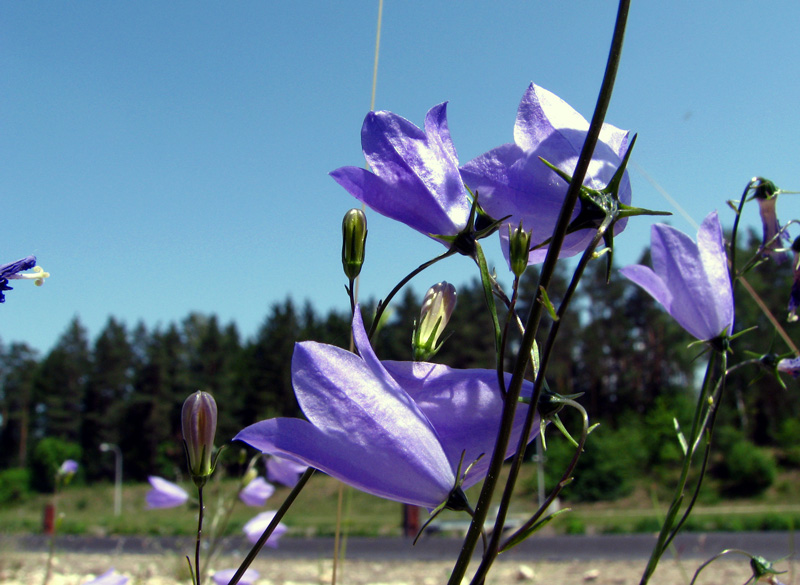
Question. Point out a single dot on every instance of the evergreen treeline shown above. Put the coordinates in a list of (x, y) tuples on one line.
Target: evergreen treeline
[(126, 387)]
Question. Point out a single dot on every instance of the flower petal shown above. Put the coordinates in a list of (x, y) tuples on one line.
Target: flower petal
[(465, 407), (366, 430)]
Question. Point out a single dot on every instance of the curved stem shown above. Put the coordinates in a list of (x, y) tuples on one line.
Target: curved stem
[(385, 302), (521, 364)]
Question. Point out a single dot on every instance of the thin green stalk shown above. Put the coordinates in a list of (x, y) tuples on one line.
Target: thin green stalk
[(248, 560), (534, 316), (669, 527), (494, 544)]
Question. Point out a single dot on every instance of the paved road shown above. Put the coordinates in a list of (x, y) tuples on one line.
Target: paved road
[(772, 545)]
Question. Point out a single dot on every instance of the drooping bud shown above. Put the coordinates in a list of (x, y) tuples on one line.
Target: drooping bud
[(437, 307), (199, 422), (519, 248), (354, 239)]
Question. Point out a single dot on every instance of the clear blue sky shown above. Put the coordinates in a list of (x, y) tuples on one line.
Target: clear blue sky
[(167, 157)]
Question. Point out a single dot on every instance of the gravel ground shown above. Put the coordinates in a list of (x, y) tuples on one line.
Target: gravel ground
[(19, 568)]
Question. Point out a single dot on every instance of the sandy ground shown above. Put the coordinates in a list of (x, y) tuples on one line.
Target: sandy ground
[(75, 569)]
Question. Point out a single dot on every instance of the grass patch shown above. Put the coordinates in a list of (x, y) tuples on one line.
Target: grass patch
[(90, 510)]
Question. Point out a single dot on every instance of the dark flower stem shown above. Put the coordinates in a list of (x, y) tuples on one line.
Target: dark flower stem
[(200, 514), (534, 316), (385, 302), (494, 545), (248, 560)]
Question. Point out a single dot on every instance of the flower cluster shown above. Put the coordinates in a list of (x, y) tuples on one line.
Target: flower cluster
[(415, 176)]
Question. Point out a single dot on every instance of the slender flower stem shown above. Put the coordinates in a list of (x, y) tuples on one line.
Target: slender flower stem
[(494, 544), (385, 302), (534, 316), (200, 513), (702, 426), (248, 560)]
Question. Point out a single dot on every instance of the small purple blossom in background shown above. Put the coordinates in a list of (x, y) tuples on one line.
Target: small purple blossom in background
[(165, 494), (69, 467), (110, 577), (284, 471), (257, 492), (790, 366), (224, 577), (689, 279), (766, 193), (512, 180), (256, 526), (397, 430), (414, 175), (13, 271)]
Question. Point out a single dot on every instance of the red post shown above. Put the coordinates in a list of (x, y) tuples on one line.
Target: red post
[(49, 519), (410, 520)]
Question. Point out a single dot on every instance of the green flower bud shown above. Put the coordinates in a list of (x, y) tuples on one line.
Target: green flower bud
[(199, 423), (437, 307), (519, 248), (354, 239)]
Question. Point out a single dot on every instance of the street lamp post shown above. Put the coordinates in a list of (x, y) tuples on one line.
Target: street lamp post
[(104, 447)]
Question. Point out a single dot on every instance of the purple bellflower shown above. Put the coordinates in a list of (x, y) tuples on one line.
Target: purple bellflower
[(257, 492), (68, 467), (224, 577), (13, 270), (110, 577), (511, 180), (790, 366), (414, 175), (256, 526), (766, 193), (397, 430), (284, 471), (690, 279), (165, 494)]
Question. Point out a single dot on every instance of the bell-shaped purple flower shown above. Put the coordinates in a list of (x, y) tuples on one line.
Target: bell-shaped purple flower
[(790, 366), (511, 180), (766, 193), (256, 492), (689, 279), (794, 294), (284, 471), (13, 271), (68, 467), (165, 494), (224, 577), (256, 526), (414, 175), (397, 430), (110, 577)]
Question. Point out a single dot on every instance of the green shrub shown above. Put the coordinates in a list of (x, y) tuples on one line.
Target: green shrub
[(747, 470), (609, 467), (48, 455), (14, 485)]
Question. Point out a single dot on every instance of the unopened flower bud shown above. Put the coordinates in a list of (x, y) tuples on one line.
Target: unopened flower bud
[(437, 307), (519, 248), (354, 239), (199, 422)]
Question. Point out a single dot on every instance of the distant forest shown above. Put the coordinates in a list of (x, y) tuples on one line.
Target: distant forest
[(126, 387)]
